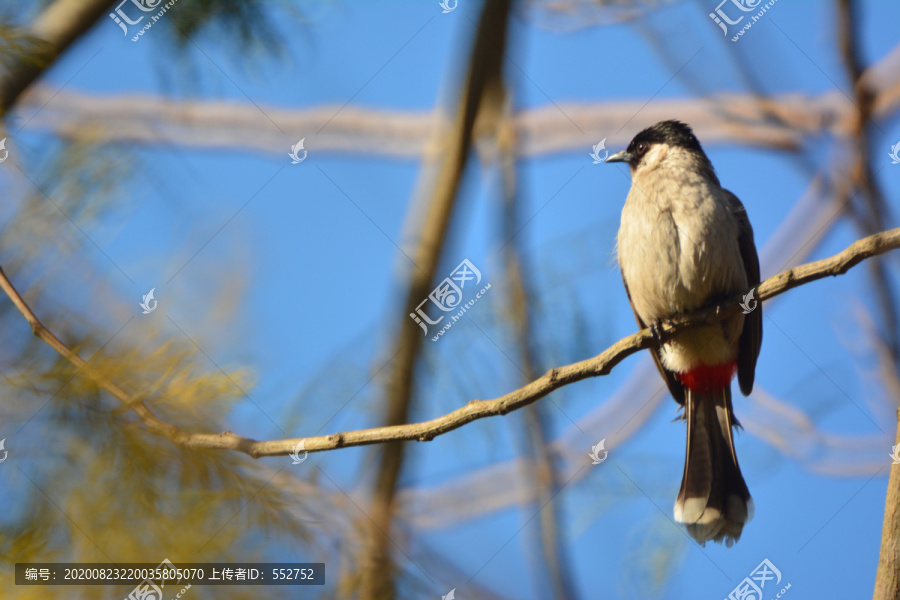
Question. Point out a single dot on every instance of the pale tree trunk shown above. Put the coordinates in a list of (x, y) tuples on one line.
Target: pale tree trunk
[(887, 581)]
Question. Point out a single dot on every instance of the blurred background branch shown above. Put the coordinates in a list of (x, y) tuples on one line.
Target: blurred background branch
[(58, 26), (746, 119), (871, 215), (550, 555), (481, 102)]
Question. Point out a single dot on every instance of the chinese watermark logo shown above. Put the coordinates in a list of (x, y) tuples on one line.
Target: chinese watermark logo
[(448, 296), (895, 151), (723, 20), (448, 6), (4, 153), (895, 454), (746, 302), (595, 154), (751, 588), (296, 459), (146, 303), (123, 20), (5, 451), (595, 452), (295, 152)]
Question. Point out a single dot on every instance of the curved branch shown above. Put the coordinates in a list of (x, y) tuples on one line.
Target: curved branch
[(552, 380)]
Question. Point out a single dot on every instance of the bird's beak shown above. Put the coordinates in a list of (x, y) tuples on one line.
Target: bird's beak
[(623, 156)]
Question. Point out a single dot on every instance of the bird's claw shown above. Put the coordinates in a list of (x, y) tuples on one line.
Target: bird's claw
[(656, 329)]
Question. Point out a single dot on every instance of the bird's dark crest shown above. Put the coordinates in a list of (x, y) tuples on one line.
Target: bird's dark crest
[(671, 132)]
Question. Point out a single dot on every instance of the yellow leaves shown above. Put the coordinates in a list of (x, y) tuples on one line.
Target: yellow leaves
[(15, 41), (173, 376), (185, 387)]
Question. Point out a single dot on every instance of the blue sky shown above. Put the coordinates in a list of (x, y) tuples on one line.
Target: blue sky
[(317, 244)]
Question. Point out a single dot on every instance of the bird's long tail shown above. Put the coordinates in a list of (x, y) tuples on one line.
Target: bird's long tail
[(714, 502)]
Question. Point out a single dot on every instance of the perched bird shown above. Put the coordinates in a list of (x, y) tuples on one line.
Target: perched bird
[(685, 243)]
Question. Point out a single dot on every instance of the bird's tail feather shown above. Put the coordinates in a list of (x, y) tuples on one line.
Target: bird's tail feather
[(714, 502)]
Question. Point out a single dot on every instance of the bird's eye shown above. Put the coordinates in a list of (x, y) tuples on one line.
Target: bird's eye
[(641, 148)]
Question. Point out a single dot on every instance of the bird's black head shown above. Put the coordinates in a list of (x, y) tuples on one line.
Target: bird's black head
[(671, 133)]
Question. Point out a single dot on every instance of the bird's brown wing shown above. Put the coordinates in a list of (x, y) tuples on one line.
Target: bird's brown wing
[(675, 387), (751, 336)]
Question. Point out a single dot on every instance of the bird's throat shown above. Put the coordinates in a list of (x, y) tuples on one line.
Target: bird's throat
[(704, 378)]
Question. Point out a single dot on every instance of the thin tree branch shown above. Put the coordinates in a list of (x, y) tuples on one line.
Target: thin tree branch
[(151, 422), (552, 380)]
